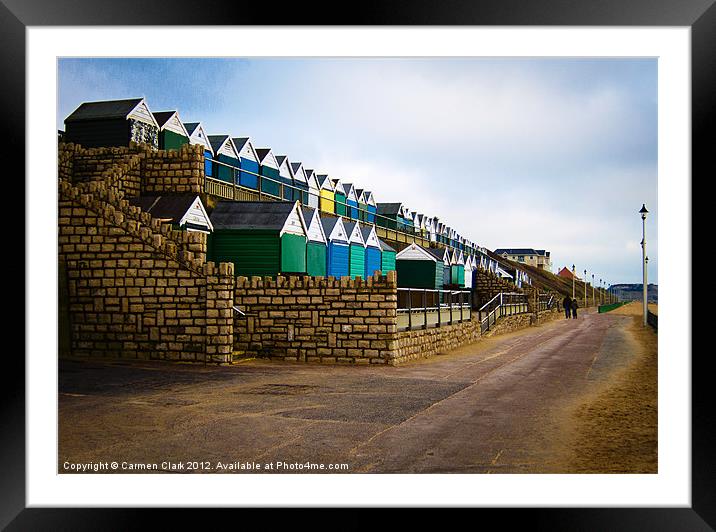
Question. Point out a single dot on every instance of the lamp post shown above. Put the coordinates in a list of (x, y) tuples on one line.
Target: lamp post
[(601, 292), (573, 277), (643, 212), (594, 301), (585, 288)]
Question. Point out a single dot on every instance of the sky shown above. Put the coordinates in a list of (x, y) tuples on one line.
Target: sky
[(547, 153)]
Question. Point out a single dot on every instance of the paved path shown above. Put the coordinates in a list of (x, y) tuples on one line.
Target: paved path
[(499, 405)]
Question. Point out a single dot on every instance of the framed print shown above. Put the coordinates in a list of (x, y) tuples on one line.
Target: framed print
[(228, 319)]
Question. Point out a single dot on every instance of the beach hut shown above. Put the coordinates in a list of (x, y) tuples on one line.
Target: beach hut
[(351, 201), (407, 216), (268, 168), (387, 257), (356, 252), (172, 133), (112, 123), (469, 269), (327, 194), (417, 267), (337, 257), (389, 215), (197, 135), (370, 206), (457, 268), (444, 257), (340, 197), (300, 183), (373, 259), (182, 211), (226, 158), (248, 162), (314, 193), (316, 245), (285, 176), (362, 205), (259, 237)]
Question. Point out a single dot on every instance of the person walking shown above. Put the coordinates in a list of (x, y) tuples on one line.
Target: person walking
[(574, 309), (567, 304)]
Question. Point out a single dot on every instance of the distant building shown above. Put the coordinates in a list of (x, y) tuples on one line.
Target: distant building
[(566, 273), (539, 258), (634, 292)]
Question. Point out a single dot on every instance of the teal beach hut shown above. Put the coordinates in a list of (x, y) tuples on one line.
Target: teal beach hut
[(316, 245), (268, 168), (226, 158), (248, 162), (373, 251), (356, 258)]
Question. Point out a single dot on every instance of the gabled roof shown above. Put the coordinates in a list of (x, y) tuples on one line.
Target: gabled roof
[(367, 231), (338, 186), (387, 209), (330, 229), (442, 254), (172, 208), (313, 219), (325, 182), (299, 172), (104, 110), (265, 153), (271, 215), (241, 142), (353, 234), (416, 252), (163, 118), (197, 128), (217, 142), (311, 178)]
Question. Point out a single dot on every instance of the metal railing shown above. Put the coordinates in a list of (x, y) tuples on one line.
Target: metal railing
[(545, 302), (422, 308), (503, 304)]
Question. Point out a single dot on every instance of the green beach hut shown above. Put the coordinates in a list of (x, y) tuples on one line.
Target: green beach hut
[(340, 197), (259, 237), (457, 268), (172, 133), (356, 251), (316, 245), (417, 267)]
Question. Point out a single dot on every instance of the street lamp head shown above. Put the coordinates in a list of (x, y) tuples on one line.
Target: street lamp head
[(643, 211), (647, 260)]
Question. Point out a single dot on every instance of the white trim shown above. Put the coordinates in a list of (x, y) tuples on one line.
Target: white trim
[(415, 252), (198, 201)]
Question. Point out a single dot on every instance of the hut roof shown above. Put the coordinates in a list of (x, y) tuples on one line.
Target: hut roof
[(329, 227), (270, 215), (172, 208), (390, 208), (104, 110), (385, 247)]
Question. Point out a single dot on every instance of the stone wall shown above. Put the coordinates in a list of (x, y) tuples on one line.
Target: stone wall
[(509, 324), (316, 319), (135, 287), (423, 343), (138, 168)]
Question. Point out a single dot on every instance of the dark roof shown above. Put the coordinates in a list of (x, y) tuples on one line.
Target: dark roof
[(262, 153), (172, 207), (162, 117), (240, 142), (280, 159), (349, 228), (103, 110), (191, 126), (437, 252), (217, 141), (329, 222), (308, 214), (365, 230), (322, 178), (251, 214), (385, 247), (389, 208), (295, 167)]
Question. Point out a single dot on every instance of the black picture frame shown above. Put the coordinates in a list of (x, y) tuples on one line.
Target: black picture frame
[(699, 15)]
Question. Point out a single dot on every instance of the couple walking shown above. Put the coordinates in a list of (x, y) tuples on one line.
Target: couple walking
[(570, 306)]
